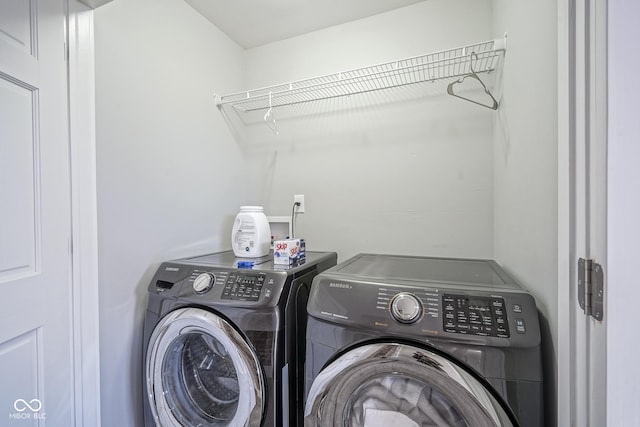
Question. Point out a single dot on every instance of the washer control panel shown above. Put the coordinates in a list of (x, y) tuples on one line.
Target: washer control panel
[(234, 285), (203, 283), (243, 286), (475, 315), (406, 307)]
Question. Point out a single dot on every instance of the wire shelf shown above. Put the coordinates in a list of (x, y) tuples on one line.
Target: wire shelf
[(447, 64)]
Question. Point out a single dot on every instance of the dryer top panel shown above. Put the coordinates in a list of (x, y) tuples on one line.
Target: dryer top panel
[(462, 300), (394, 268)]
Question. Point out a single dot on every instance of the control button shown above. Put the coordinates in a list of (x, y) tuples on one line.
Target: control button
[(463, 329), (520, 326), (476, 328), (405, 307), (497, 303), (203, 283), (517, 308), (502, 332), (499, 312)]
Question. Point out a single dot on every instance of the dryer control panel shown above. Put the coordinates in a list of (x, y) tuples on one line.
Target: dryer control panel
[(498, 317), (477, 315)]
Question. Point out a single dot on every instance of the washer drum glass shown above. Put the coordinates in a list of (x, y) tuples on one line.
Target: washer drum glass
[(201, 372)]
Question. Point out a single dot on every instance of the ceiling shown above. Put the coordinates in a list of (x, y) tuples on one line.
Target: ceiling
[(252, 23)]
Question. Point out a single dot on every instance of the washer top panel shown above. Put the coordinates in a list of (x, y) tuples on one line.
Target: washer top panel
[(395, 268), (228, 260)]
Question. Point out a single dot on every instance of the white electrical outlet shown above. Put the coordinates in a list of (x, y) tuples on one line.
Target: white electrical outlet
[(299, 198)]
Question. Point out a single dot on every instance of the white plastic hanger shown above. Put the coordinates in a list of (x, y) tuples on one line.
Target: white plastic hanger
[(270, 119), (473, 75)]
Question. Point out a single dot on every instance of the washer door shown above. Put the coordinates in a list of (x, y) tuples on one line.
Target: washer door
[(399, 385), (201, 372)]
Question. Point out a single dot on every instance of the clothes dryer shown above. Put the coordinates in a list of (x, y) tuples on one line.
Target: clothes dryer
[(225, 345), (413, 341)]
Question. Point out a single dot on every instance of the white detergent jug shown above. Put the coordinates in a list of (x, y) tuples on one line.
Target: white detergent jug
[(251, 235)]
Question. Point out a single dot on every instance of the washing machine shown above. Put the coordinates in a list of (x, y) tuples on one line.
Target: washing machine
[(415, 341), (225, 340)]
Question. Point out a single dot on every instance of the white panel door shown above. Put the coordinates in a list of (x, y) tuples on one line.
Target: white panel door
[(36, 366)]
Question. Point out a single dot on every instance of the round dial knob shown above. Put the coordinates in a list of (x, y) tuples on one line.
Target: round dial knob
[(203, 283), (405, 307)]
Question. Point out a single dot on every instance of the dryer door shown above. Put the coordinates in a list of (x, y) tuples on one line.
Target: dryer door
[(399, 385), (201, 372)]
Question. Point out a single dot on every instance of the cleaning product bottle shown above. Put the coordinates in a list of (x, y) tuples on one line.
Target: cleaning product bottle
[(250, 237)]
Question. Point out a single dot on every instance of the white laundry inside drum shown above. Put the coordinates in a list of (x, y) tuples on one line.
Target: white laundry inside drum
[(378, 418), (405, 401)]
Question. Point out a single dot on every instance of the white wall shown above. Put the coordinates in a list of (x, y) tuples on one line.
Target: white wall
[(411, 177), (622, 290), (168, 185), (525, 162)]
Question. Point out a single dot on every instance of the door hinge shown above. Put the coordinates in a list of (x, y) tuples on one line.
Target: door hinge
[(591, 288)]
